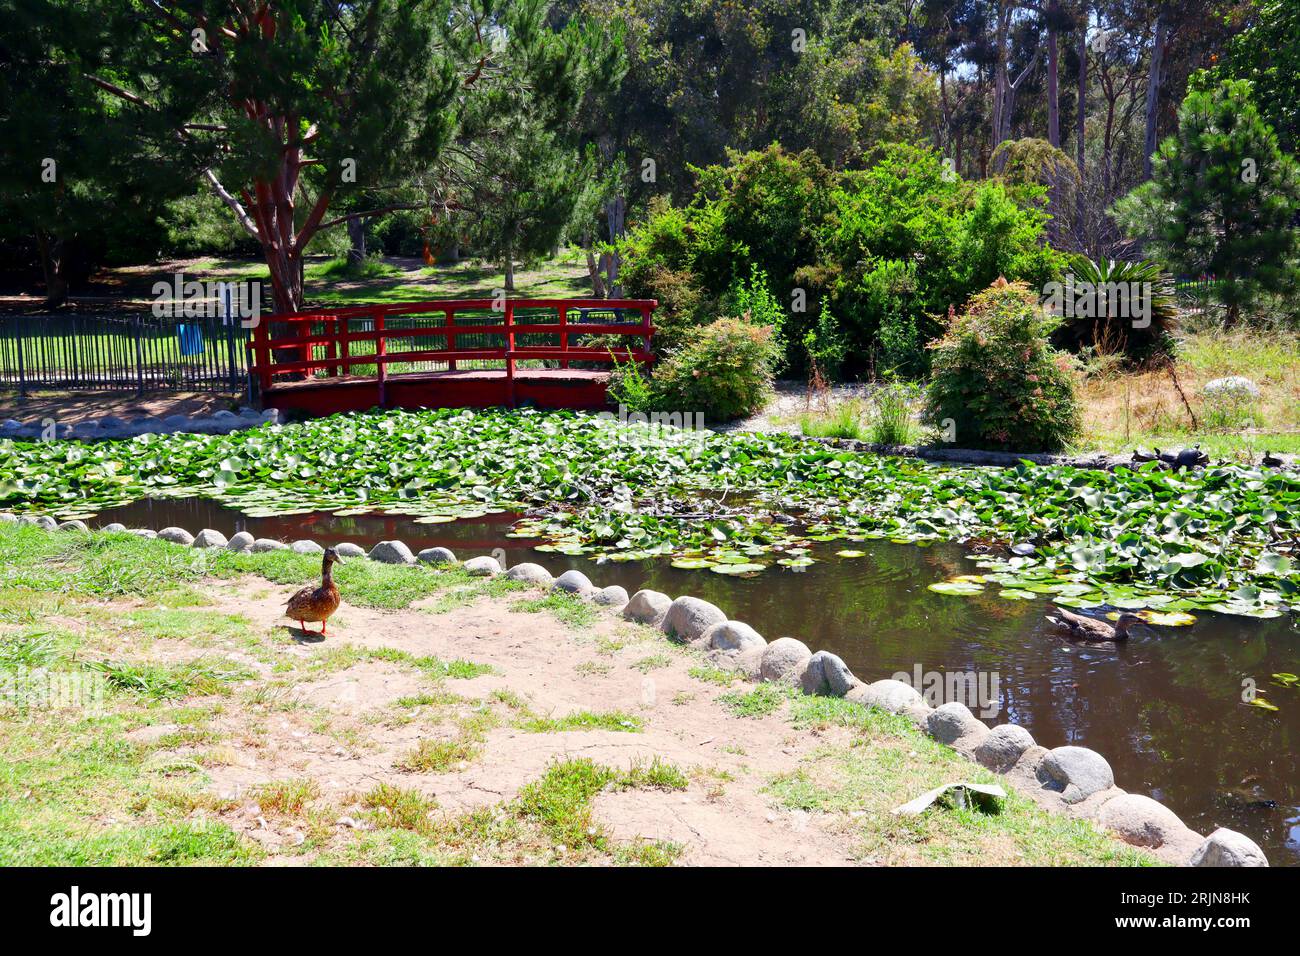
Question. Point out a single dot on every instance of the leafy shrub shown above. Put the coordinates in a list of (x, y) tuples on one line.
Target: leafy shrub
[(753, 299), (825, 345), (630, 386), (995, 375), (724, 370)]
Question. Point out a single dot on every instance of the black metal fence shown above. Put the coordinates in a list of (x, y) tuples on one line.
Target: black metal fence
[(122, 351)]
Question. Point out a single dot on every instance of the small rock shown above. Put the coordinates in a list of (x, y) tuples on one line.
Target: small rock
[(176, 422), (952, 722), (7, 518), (1226, 847), (74, 525), (437, 556), (1004, 745), (614, 596), (528, 574), (242, 541), (10, 425), (483, 567), (574, 582), (262, 545), (225, 415), (689, 617), (207, 538), (1076, 773), (1233, 385), (306, 546), (812, 679), (784, 660), (349, 550), (46, 522), (271, 415), (733, 636), (114, 527), (1141, 821), (143, 533), (177, 536), (648, 607), (392, 552)]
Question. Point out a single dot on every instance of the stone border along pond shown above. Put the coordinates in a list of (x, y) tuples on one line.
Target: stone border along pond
[(1072, 780)]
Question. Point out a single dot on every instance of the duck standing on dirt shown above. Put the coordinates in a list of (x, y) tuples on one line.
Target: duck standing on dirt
[(1082, 628), (316, 603)]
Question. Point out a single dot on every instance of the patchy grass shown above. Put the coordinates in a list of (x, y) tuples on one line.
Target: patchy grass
[(568, 609), (714, 675), (616, 720), (764, 699)]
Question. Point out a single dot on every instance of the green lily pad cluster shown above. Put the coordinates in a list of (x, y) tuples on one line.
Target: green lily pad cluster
[(1221, 539)]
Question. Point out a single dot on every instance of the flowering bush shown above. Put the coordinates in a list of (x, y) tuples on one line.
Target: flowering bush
[(995, 380), (723, 369)]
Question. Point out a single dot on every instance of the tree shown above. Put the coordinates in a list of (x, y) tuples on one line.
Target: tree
[(1222, 199), (285, 107), (1267, 53)]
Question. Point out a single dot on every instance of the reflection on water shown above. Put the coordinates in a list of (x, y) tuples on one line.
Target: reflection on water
[(1165, 710)]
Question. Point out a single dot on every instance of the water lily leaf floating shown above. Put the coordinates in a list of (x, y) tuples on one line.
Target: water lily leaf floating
[(694, 564), (1262, 704), (957, 587), (1015, 594), (737, 569), (1162, 618), (850, 553)]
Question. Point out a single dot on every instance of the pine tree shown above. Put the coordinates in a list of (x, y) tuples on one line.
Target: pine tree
[(1222, 200)]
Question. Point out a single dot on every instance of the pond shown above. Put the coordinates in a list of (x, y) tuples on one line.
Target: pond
[(1166, 710)]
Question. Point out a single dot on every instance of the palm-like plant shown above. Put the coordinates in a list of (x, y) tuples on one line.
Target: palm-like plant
[(1109, 331)]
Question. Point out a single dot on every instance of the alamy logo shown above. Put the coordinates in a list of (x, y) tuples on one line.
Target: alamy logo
[(191, 299), (1100, 300), (75, 908)]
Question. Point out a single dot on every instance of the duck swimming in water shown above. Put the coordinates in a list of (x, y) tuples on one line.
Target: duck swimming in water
[(316, 603), (1082, 628)]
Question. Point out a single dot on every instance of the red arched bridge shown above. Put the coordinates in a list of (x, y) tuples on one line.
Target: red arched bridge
[(475, 353)]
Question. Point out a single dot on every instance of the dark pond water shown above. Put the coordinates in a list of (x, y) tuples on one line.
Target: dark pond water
[(1166, 710)]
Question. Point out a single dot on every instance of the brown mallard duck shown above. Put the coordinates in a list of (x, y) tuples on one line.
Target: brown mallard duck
[(316, 604), (1082, 628)]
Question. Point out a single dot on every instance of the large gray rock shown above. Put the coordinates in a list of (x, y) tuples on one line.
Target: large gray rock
[(240, 541), (894, 696), (574, 582), (614, 596), (838, 677), (46, 522), (529, 574), (207, 538), (1076, 773), (177, 536), (147, 533), (8, 518), (784, 660), (483, 567), (1235, 386), (113, 527), (953, 722), (1141, 821), (306, 546), (689, 617), (262, 545), (648, 607), (349, 550), (74, 525), (812, 677), (1226, 847), (732, 636), (392, 552), (437, 556), (1003, 747)]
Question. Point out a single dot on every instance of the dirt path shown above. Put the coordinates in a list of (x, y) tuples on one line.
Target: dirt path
[(350, 728)]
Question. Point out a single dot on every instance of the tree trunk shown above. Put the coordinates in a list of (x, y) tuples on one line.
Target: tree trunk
[(357, 239), (54, 265), (615, 221), (510, 272), (593, 270), (1000, 81), (1081, 115), (1053, 120), (1153, 91)]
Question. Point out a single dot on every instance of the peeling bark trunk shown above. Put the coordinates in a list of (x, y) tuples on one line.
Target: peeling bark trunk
[(1053, 121), (1081, 113), (1153, 91), (615, 221), (510, 271)]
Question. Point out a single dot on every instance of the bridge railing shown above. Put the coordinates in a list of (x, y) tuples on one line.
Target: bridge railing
[(376, 341)]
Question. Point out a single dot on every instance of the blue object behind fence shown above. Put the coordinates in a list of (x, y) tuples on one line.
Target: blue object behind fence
[(191, 337)]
